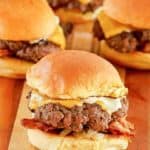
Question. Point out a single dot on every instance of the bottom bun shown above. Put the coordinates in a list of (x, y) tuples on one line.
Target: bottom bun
[(136, 60), (45, 141), (13, 67)]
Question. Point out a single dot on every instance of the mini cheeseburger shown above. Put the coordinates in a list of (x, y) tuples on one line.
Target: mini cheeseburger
[(78, 101), (75, 11), (29, 30), (126, 32)]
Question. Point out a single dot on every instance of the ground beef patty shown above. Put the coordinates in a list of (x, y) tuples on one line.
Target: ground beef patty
[(137, 40), (131, 41), (29, 51), (78, 118), (75, 4)]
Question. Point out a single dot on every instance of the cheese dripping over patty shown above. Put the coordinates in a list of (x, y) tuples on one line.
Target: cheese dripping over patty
[(108, 104)]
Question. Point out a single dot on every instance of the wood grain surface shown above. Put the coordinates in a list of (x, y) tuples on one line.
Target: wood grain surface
[(10, 91), (139, 98), (139, 110), (19, 132)]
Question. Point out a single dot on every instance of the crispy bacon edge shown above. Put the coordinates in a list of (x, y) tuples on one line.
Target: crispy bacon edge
[(4, 52), (120, 127), (34, 124)]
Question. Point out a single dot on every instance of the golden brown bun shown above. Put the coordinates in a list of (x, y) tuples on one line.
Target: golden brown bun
[(26, 20), (131, 12), (13, 67), (136, 60), (75, 74), (76, 16), (44, 141)]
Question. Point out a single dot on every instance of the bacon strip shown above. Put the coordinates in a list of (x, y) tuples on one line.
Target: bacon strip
[(122, 126), (4, 52), (34, 124)]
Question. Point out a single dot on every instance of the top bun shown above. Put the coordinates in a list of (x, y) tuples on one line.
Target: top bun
[(131, 12), (26, 20), (75, 74)]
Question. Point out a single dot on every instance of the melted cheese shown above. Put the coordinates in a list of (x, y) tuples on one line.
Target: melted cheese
[(37, 100), (109, 104), (111, 27), (58, 37), (84, 1)]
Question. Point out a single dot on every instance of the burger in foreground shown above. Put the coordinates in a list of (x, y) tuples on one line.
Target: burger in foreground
[(126, 28), (78, 101), (29, 31)]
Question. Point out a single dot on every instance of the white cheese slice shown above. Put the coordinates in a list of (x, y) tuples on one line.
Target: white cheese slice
[(109, 104)]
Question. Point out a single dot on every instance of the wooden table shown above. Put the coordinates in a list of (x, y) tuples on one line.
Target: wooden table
[(139, 110), (10, 91), (139, 97)]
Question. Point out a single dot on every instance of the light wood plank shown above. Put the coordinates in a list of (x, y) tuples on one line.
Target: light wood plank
[(19, 140)]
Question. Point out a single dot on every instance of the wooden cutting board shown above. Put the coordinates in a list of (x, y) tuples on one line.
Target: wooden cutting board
[(10, 91), (139, 98), (19, 132), (139, 110)]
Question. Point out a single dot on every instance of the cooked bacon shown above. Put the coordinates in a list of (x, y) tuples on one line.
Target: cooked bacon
[(121, 126), (4, 52), (34, 124)]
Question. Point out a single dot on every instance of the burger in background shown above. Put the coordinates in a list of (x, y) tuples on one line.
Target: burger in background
[(78, 101), (123, 27), (29, 30), (77, 18), (75, 11)]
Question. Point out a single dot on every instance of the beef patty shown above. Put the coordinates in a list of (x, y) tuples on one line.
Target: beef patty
[(29, 51), (137, 40), (79, 118), (75, 4)]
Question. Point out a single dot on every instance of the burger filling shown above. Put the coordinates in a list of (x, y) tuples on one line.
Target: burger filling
[(76, 4), (77, 118), (120, 37), (31, 51), (138, 40), (90, 115)]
